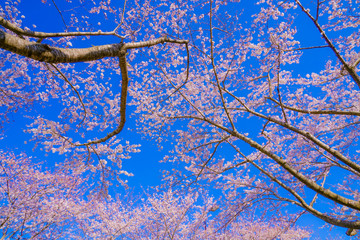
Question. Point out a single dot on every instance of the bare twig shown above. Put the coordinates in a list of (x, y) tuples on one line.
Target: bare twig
[(72, 87), (306, 48), (317, 10), (62, 17), (12, 27), (330, 112), (122, 18)]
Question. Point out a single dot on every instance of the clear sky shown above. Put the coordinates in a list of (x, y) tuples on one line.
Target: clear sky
[(144, 165)]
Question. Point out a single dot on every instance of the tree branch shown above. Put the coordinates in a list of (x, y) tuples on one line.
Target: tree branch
[(12, 27), (348, 68), (62, 17), (124, 86), (46, 53), (72, 87), (303, 133), (301, 177), (302, 203), (328, 112)]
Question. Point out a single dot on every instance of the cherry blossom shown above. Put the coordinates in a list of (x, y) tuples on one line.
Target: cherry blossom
[(259, 100)]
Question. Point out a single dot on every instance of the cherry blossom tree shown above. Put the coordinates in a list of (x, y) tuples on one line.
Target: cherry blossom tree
[(36, 204), (168, 216), (260, 102)]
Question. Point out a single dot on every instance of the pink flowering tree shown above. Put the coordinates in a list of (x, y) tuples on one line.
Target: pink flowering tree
[(259, 100), (37, 204), (169, 216)]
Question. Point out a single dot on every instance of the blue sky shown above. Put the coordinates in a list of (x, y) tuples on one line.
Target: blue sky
[(144, 165)]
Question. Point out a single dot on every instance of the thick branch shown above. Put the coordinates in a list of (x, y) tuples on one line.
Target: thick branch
[(46, 53), (124, 86)]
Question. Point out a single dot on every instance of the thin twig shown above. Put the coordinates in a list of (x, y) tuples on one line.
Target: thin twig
[(60, 14), (348, 68), (72, 87), (122, 18), (328, 112), (214, 69), (12, 27), (306, 48)]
